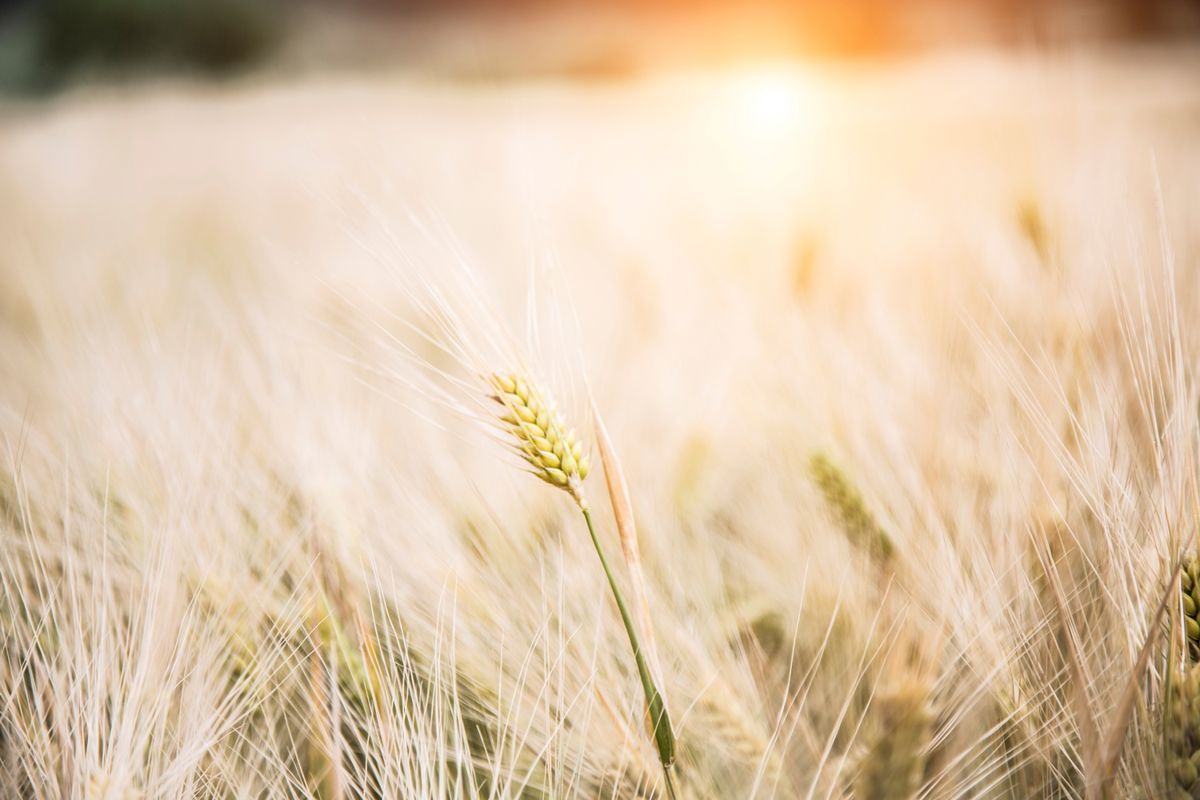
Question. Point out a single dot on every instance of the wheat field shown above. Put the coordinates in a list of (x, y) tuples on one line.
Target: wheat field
[(899, 360)]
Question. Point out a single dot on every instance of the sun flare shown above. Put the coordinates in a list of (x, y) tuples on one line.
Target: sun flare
[(774, 100)]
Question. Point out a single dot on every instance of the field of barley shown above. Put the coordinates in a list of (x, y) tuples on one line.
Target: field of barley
[(899, 362)]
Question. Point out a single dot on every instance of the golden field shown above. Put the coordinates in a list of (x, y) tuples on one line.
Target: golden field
[(899, 360)]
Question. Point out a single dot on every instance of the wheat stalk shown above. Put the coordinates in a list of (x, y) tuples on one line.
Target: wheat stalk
[(556, 456)]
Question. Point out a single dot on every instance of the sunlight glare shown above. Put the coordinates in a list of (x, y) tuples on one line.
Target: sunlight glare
[(767, 118), (772, 101)]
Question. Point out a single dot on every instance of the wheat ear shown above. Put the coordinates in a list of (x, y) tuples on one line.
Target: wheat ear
[(851, 510), (1183, 736), (542, 440), (1190, 598), (892, 768), (557, 457), (724, 713)]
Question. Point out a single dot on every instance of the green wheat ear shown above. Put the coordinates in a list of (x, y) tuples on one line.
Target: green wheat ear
[(848, 506), (1182, 734), (1190, 585), (893, 766)]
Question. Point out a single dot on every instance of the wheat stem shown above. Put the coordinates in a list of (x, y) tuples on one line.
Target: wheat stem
[(664, 738)]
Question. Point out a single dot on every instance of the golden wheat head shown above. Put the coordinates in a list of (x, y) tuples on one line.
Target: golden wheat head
[(542, 439)]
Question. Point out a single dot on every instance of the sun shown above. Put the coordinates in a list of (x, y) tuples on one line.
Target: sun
[(764, 121), (772, 100)]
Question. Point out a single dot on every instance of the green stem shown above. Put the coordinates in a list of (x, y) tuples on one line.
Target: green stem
[(668, 771), (664, 738)]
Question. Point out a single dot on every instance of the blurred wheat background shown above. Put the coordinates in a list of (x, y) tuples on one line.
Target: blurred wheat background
[(898, 353)]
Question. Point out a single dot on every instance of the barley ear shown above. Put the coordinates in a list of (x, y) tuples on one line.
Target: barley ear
[(847, 504), (892, 767), (540, 436), (1190, 599), (1182, 736), (723, 713)]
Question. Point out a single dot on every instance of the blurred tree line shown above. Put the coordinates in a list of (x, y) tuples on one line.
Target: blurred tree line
[(45, 43)]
